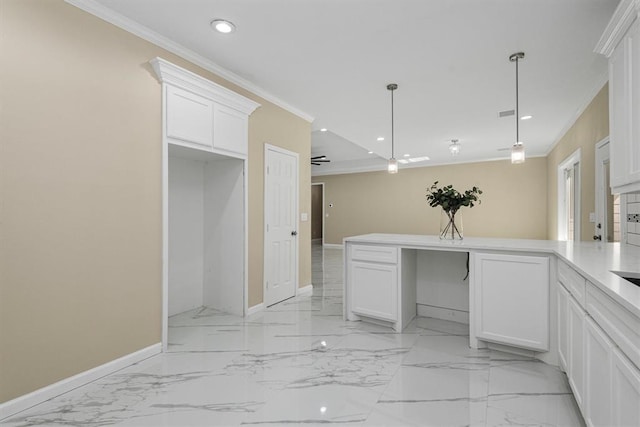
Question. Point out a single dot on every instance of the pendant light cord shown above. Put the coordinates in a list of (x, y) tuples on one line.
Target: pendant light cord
[(517, 110), (392, 129)]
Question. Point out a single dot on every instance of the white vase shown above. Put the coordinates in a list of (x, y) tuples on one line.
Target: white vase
[(451, 225)]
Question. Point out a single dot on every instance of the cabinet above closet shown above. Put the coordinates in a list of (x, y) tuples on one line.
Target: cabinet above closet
[(202, 115)]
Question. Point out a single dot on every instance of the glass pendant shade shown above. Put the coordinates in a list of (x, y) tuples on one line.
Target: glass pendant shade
[(454, 147), (517, 153), (393, 166)]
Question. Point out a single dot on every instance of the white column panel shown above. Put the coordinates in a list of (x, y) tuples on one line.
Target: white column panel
[(224, 237), (185, 234)]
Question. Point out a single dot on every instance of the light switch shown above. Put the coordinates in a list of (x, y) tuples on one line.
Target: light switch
[(304, 216), (592, 217)]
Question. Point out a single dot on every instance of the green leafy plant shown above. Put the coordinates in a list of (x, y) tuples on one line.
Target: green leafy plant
[(451, 200)]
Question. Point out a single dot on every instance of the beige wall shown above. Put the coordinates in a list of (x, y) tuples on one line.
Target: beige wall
[(589, 129), (514, 202), (80, 190)]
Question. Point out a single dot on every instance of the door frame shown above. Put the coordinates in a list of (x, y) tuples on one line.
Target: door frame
[(275, 148), (600, 192), (623, 197), (571, 159), (323, 213)]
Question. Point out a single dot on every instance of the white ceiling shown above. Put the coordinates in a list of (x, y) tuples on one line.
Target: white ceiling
[(332, 60)]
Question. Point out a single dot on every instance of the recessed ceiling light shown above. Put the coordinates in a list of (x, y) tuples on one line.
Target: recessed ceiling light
[(525, 117), (323, 130), (381, 138), (223, 26), (407, 155), (370, 152)]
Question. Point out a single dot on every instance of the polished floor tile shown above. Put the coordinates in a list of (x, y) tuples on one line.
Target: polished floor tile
[(300, 363)]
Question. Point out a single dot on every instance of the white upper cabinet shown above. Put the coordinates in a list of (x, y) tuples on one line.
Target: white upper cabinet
[(230, 129), (189, 117), (621, 44), (201, 114)]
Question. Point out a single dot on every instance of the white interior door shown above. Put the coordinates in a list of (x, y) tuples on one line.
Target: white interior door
[(281, 225)]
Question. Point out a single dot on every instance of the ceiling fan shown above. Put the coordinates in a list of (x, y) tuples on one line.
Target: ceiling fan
[(318, 160)]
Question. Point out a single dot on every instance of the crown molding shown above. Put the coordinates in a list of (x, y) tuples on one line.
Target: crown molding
[(185, 79), (624, 15), (96, 9)]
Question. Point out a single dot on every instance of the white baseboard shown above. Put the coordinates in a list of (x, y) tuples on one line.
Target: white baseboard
[(443, 313), (305, 289), (332, 246), (43, 394), (255, 309)]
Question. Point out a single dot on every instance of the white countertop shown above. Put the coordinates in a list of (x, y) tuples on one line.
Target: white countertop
[(594, 260)]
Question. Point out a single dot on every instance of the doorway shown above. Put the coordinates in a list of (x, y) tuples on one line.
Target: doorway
[(281, 224), (608, 206), (569, 198), (317, 212)]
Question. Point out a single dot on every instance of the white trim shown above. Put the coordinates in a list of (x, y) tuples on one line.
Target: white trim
[(586, 101), (275, 148), (308, 289), (624, 15), (332, 246), (145, 33), (43, 394), (323, 212), (571, 160), (255, 309), (451, 314)]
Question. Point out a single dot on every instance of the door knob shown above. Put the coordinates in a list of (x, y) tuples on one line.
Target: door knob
[(294, 233)]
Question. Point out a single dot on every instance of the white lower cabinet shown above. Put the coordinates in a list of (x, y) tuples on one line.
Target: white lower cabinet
[(374, 289), (511, 295), (598, 352), (625, 396), (562, 298), (575, 362), (604, 381)]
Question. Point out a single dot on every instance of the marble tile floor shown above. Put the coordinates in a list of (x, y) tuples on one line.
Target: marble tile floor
[(299, 363)]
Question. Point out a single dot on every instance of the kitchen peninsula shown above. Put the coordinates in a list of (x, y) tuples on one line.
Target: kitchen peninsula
[(560, 302)]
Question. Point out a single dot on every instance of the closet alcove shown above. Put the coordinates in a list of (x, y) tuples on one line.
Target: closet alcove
[(204, 194)]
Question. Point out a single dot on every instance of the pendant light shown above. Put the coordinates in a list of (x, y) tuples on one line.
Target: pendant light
[(393, 163), (454, 147), (517, 151)]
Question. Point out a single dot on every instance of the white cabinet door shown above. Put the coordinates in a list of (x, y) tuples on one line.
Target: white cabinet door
[(625, 395), (374, 290), (575, 351), (598, 352), (563, 325), (617, 116), (230, 129), (624, 107), (633, 79), (189, 117), (511, 294)]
